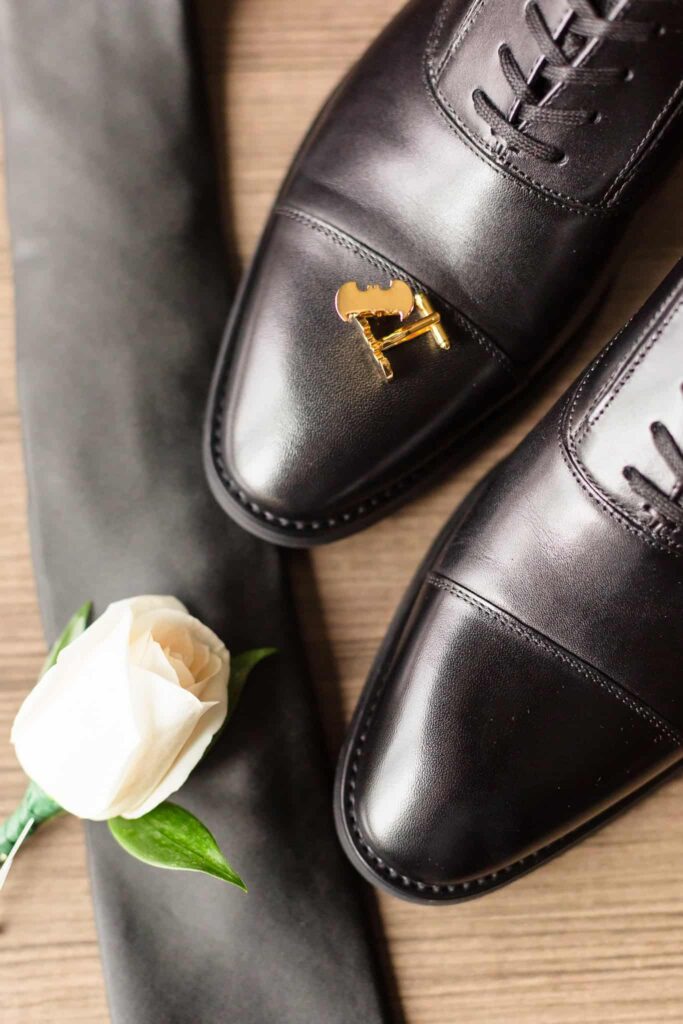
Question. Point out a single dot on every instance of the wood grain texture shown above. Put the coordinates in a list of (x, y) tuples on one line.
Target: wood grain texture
[(596, 937)]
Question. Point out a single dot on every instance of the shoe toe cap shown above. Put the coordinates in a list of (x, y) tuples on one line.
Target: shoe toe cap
[(305, 426), (487, 745)]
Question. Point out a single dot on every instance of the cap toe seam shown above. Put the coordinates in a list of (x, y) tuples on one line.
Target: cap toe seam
[(662, 729), (385, 494), (347, 241), (532, 636)]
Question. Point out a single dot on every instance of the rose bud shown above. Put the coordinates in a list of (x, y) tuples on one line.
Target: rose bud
[(128, 710)]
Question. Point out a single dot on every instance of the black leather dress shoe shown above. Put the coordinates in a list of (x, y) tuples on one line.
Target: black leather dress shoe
[(531, 685), (485, 156)]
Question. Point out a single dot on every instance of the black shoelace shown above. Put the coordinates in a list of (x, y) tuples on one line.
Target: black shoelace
[(666, 509), (556, 67)]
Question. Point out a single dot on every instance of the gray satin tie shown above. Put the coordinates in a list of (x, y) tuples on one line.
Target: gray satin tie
[(121, 295)]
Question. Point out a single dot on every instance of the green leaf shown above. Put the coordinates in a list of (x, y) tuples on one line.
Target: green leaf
[(40, 806), (240, 668), (36, 806), (76, 625), (171, 837)]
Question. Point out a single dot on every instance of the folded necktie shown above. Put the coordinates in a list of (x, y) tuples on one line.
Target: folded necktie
[(121, 295)]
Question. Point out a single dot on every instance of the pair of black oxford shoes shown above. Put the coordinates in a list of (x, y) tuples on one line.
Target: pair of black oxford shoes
[(449, 224)]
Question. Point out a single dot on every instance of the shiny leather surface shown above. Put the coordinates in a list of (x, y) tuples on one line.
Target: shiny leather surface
[(602, 155), (305, 434), (533, 681)]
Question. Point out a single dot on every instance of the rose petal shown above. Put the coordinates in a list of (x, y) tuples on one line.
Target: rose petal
[(75, 734), (186, 760), (166, 717), (176, 640), (200, 659), (118, 724), (185, 677), (146, 653)]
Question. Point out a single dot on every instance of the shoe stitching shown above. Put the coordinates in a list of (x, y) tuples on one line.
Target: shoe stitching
[(637, 150), (610, 199), (435, 36), (455, 45), (365, 252), (499, 166), (386, 494), (484, 883), (589, 423), (531, 636), (586, 423), (613, 510), (602, 391), (572, 458), (568, 202), (376, 863)]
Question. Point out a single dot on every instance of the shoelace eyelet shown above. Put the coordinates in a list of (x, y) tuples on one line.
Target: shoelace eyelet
[(665, 510), (556, 66)]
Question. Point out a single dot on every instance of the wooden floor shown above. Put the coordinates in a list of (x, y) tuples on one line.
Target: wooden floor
[(595, 937)]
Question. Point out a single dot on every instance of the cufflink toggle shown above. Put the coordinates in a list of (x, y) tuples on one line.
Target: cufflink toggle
[(362, 305)]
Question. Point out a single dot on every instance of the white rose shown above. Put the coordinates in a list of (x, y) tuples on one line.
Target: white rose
[(120, 721)]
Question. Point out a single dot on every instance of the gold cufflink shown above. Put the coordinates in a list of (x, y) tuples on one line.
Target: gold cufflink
[(360, 305)]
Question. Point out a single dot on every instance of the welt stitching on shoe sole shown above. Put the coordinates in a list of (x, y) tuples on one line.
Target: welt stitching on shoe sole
[(370, 256), (367, 506), (365, 850), (609, 200), (572, 458), (479, 885), (381, 497)]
